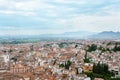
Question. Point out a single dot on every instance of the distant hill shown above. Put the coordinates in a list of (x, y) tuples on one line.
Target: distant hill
[(106, 35), (79, 34), (73, 35)]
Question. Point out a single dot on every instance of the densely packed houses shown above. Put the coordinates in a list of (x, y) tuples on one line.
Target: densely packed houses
[(58, 60)]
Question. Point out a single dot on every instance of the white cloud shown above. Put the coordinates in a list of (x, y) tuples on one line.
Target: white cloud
[(92, 22), (19, 31), (70, 1), (13, 12), (62, 15), (24, 7), (81, 2), (31, 5)]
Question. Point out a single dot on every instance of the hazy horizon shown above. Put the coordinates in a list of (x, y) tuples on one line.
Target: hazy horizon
[(35, 17)]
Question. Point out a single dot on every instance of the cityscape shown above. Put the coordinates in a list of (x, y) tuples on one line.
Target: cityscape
[(59, 40), (60, 60)]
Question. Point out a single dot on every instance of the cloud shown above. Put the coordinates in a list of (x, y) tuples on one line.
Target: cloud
[(58, 16), (10, 30), (70, 1), (12, 12), (92, 22), (32, 5)]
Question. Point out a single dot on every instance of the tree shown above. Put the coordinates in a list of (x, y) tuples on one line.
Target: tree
[(4, 51), (77, 71), (100, 48), (66, 65), (10, 51), (109, 43), (76, 46), (116, 48), (86, 60), (94, 67), (92, 47), (115, 79), (100, 68), (61, 65)]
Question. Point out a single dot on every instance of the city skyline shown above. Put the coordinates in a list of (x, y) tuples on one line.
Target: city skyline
[(34, 17)]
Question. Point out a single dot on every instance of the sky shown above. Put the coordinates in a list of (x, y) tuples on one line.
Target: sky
[(34, 17)]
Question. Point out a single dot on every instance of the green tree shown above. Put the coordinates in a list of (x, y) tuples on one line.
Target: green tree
[(92, 47), (116, 48), (67, 64), (100, 68), (77, 71), (86, 60)]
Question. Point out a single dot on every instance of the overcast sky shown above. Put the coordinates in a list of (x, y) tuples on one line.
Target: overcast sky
[(34, 17)]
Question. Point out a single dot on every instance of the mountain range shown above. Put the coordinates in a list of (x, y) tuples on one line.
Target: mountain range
[(106, 35), (79, 35), (87, 35)]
